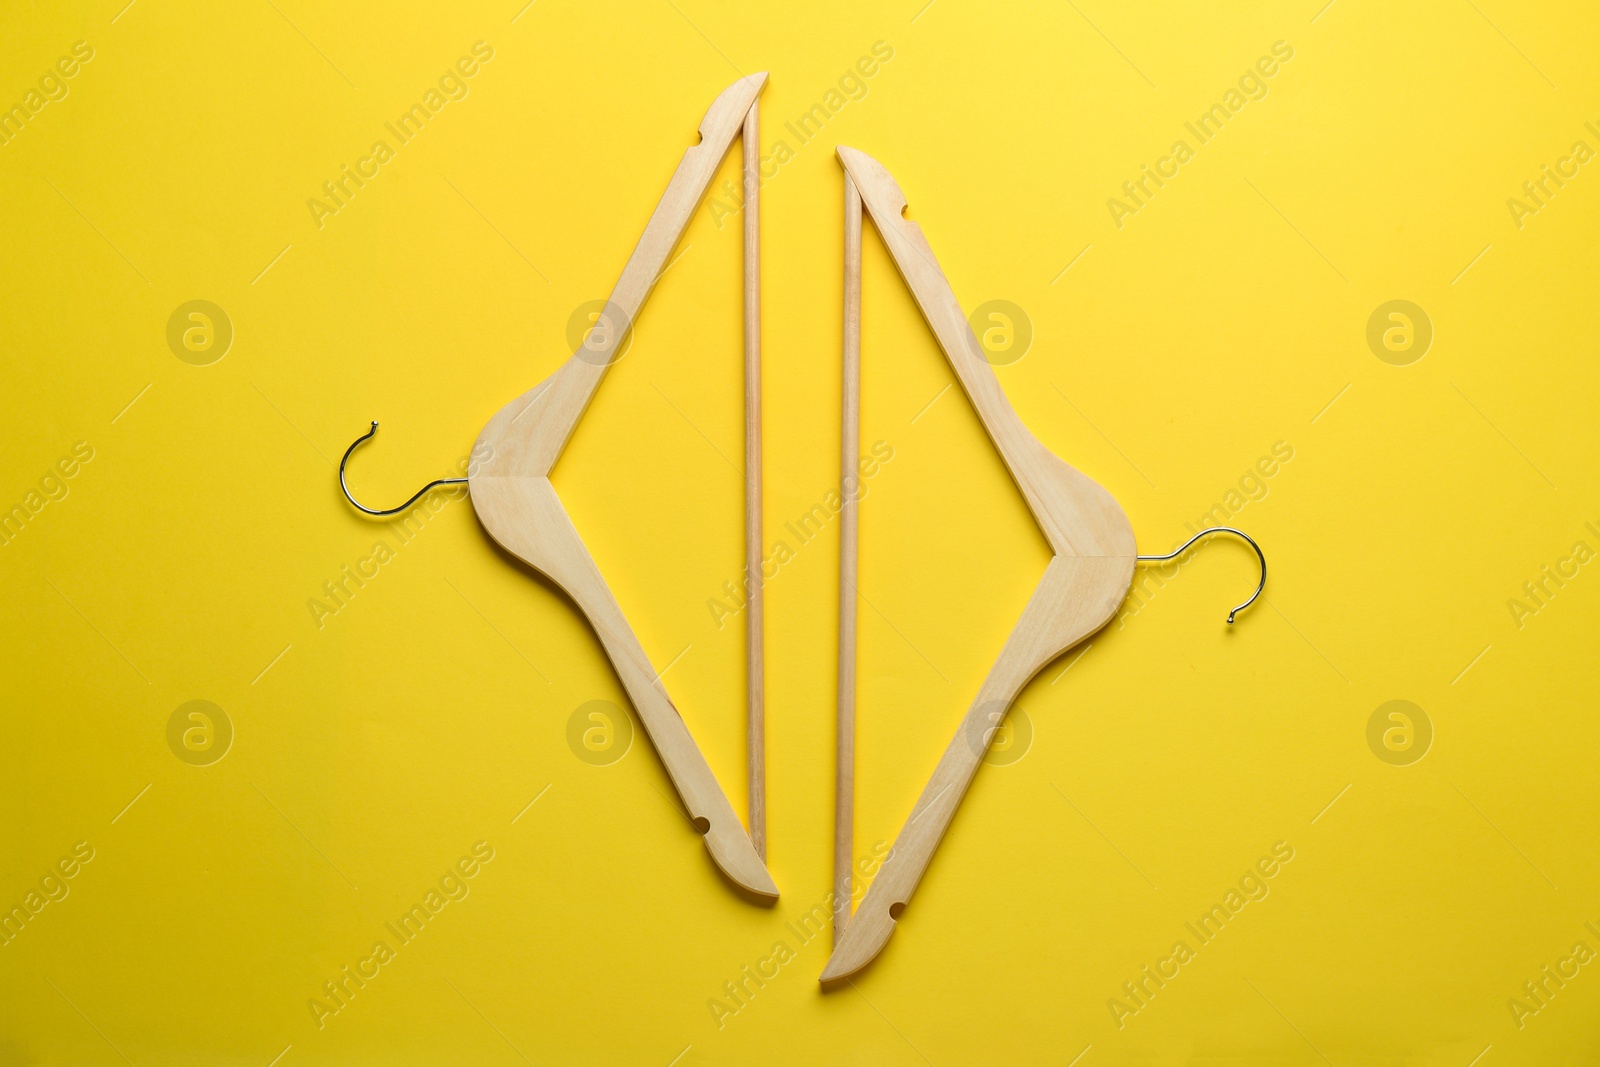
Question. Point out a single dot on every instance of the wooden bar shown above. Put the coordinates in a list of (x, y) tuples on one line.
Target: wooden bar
[(849, 555), (755, 616)]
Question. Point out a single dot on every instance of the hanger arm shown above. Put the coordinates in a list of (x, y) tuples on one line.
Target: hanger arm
[(1076, 596), (557, 403), (528, 520), (1077, 515)]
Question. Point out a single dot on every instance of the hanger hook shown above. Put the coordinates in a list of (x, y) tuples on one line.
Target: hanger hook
[(391, 511), (1211, 530)]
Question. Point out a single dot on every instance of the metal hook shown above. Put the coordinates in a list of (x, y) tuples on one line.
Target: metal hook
[(391, 511), (1211, 530)]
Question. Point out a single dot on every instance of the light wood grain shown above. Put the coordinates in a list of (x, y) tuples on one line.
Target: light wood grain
[(1085, 582), (755, 611), (844, 801), (516, 503)]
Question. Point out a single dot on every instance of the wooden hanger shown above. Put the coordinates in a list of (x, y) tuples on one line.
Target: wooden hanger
[(1085, 582), (516, 503)]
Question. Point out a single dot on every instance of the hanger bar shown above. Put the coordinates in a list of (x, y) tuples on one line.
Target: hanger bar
[(755, 612), (516, 503), (844, 804), (1085, 582)]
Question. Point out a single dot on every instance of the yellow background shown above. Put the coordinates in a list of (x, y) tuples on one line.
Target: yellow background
[(373, 751)]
